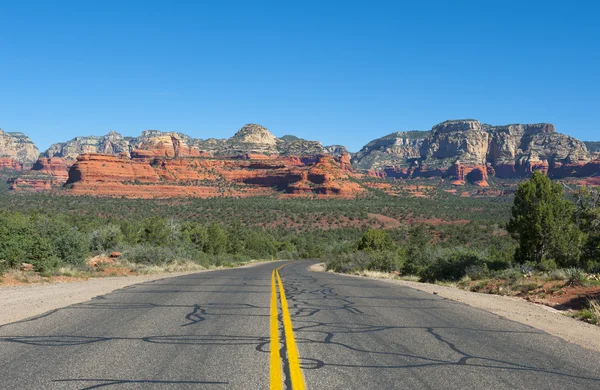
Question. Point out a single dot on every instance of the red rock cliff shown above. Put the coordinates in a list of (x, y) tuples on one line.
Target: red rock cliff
[(145, 177)]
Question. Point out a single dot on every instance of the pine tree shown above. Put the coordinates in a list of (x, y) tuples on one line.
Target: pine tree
[(588, 219), (542, 223)]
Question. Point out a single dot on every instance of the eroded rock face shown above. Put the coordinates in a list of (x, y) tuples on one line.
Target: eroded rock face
[(247, 175), (393, 150), (46, 174), (154, 143), (468, 151), (9, 163), (17, 151), (54, 166), (593, 147), (254, 134), (336, 150), (450, 141), (463, 151), (299, 147), (111, 143), (251, 138), (30, 185), (477, 175), (91, 168), (453, 126)]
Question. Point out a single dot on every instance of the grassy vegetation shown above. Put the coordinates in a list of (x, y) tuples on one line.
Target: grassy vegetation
[(53, 231), (262, 211)]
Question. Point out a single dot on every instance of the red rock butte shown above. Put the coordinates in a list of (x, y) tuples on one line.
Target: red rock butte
[(247, 175)]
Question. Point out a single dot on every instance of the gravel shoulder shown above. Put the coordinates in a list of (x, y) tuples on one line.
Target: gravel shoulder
[(20, 302), (538, 316)]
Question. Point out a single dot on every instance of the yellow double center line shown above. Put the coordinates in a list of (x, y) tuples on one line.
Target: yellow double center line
[(296, 378)]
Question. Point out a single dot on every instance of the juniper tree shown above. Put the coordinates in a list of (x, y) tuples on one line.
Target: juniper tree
[(542, 223)]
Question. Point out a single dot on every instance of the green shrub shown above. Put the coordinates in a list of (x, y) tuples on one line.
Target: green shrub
[(558, 274), (376, 240), (106, 238), (155, 231), (384, 261), (47, 264), (524, 287), (417, 261), (149, 254), (217, 239), (72, 248), (479, 285), (575, 276), (511, 275), (349, 262), (477, 271), (452, 266), (194, 234), (547, 265), (261, 244), (4, 266)]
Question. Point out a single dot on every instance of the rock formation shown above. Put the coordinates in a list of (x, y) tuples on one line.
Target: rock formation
[(255, 162), (250, 138), (247, 175), (9, 163), (46, 174), (111, 143), (254, 134), (593, 147), (154, 143), (466, 150), (16, 151), (55, 167), (394, 150), (337, 150)]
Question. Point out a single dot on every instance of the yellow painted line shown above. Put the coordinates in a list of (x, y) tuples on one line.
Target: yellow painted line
[(275, 364), (296, 377), (280, 267)]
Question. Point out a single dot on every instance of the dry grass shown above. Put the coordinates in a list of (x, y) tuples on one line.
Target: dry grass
[(387, 275), (409, 278), (21, 276), (74, 272), (377, 274), (444, 283), (176, 266), (595, 307)]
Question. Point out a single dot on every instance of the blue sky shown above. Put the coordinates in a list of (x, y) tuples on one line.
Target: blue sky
[(335, 71)]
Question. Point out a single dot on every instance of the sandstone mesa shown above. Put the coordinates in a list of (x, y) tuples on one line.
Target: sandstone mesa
[(254, 162)]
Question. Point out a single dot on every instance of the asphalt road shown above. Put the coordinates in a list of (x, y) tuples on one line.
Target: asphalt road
[(212, 330)]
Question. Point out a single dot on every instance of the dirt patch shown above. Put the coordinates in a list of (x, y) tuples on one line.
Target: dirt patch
[(556, 294), (26, 279), (388, 223), (571, 298), (318, 267), (436, 221)]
